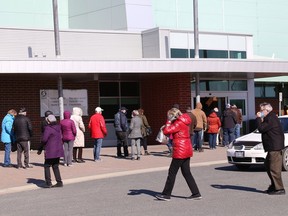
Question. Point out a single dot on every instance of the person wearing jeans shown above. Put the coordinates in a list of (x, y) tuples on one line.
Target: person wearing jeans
[(7, 135), (200, 126), (97, 149), (98, 130)]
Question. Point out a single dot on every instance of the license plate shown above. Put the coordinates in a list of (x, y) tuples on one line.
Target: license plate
[(239, 154)]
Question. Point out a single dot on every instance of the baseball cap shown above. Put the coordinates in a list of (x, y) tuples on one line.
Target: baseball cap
[(99, 109)]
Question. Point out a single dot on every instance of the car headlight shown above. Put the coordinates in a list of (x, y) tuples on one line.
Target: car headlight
[(259, 147)]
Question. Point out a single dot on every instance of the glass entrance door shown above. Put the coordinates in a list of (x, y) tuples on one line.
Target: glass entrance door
[(220, 99)]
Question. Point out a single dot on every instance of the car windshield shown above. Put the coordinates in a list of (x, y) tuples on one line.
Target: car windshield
[(283, 122)]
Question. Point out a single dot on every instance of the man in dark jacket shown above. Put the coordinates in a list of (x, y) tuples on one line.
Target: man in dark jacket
[(228, 124), (121, 128), (22, 127), (273, 142)]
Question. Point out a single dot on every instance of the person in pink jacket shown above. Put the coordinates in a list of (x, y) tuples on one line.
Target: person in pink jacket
[(178, 126), (214, 123), (98, 131)]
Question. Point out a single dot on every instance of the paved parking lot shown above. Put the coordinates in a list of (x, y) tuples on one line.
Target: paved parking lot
[(14, 180)]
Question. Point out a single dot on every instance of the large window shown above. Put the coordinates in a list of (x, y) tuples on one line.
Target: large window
[(264, 90), (183, 53), (221, 85), (114, 95)]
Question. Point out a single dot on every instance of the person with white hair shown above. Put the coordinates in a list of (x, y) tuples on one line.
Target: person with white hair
[(98, 131), (270, 127), (135, 134)]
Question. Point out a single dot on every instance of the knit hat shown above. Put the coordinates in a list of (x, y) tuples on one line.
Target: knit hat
[(216, 109), (48, 112), (228, 106), (22, 110)]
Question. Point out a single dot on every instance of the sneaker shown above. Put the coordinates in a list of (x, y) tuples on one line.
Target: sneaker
[(47, 186), (270, 189), (98, 160), (162, 197), (277, 192), (138, 158), (64, 164), (58, 184), (28, 166), (194, 197)]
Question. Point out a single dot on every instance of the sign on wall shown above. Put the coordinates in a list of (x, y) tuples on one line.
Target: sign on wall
[(72, 98)]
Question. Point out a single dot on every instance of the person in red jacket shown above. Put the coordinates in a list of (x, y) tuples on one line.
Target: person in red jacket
[(214, 123), (178, 126), (98, 131)]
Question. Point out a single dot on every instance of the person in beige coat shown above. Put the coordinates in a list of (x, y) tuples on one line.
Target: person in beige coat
[(200, 127), (79, 142)]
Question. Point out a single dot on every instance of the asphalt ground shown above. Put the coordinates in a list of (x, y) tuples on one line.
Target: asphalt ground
[(17, 180)]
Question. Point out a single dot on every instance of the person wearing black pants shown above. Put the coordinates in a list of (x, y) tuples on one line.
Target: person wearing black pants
[(178, 126), (184, 164), (51, 142), (54, 163), (121, 128)]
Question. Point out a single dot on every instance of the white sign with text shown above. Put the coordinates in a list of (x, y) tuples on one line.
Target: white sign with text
[(49, 100)]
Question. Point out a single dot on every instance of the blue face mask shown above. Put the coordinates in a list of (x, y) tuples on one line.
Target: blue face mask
[(262, 115)]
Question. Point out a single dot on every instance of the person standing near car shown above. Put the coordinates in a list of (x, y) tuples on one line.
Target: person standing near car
[(238, 120), (269, 126), (228, 125)]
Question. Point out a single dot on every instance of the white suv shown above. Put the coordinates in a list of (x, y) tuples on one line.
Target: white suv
[(248, 149)]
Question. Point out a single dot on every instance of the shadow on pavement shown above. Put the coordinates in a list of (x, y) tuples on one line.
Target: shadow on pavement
[(38, 182), (235, 187), (255, 168), (134, 192)]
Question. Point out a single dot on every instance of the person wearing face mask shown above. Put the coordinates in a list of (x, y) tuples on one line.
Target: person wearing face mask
[(121, 129), (269, 126)]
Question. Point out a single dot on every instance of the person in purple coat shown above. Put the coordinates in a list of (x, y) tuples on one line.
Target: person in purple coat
[(52, 143), (68, 136)]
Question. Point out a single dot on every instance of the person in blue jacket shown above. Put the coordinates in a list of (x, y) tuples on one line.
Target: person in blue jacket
[(7, 136)]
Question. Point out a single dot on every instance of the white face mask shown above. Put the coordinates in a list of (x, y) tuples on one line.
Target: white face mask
[(262, 115)]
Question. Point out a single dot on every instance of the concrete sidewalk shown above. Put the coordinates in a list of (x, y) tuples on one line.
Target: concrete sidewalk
[(16, 180)]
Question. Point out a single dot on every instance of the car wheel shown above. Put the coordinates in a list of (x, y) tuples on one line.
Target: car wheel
[(285, 159), (242, 166)]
